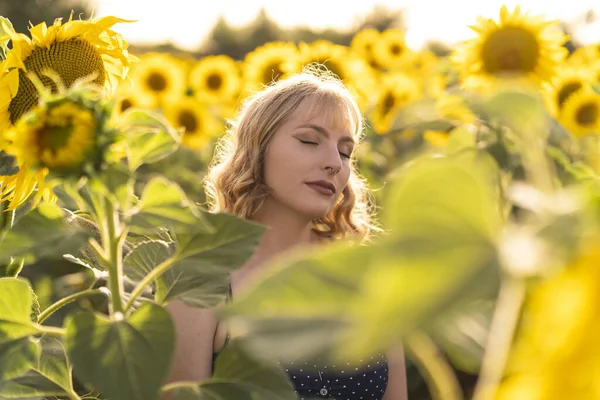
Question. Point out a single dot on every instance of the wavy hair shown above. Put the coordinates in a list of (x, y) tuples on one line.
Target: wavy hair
[(235, 180)]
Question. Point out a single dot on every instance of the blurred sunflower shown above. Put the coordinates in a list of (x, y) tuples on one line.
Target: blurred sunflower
[(454, 108), (580, 113), (557, 345), (391, 51), (396, 90), (73, 51), (519, 46), (567, 81), (363, 43), (270, 62), (436, 138), (159, 77), (215, 79), (585, 55), (18, 188), (199, 125), (352, 69)]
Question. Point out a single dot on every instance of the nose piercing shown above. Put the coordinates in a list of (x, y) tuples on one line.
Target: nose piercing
[(331, 171)]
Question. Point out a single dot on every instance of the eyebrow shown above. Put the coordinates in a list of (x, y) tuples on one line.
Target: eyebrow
[(324, 132)]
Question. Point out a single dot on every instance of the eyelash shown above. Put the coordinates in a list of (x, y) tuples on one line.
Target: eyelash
[(313, 143)]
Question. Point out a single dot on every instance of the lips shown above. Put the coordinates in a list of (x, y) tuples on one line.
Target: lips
[(323, 187)]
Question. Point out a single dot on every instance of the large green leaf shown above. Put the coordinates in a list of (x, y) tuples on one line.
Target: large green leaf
[(239, 376), (443, 220), (205, 258), (50, 376), (17, 350), (41, 234), (145, 256), (163, 204), (125, 359), (148, 138)]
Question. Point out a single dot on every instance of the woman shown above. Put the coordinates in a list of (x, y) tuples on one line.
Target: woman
[(287, 163)]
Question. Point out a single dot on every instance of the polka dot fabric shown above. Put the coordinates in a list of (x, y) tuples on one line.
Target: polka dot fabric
[(341, 382)]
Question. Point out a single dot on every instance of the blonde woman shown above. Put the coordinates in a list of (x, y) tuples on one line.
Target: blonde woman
[(287, 163)]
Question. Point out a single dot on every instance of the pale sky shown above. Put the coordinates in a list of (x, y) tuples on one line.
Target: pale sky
[(186, 22)]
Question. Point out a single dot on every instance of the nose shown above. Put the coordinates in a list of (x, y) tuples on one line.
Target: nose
[(333, 161)]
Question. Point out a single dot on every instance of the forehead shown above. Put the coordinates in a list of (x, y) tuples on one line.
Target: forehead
[(331, 112)]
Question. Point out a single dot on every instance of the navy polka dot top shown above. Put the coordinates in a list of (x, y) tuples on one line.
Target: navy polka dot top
[(341, 382)]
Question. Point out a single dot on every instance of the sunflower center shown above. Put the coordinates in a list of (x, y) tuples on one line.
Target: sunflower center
[(214, 81), (71, 60), (396, 49), (156, 81), (566, 91), (54, 138), (388, 103), (125, 104), (272, 72), (587, 114), (510, 50), (188, 120)]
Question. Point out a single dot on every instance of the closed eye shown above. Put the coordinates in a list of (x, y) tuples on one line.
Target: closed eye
[(344, 155), (306, 142)]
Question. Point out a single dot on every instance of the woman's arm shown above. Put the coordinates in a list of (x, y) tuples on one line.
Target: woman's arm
[(396, 388), (194, 333)]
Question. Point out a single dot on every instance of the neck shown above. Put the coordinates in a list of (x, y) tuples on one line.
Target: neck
[(286, 230)]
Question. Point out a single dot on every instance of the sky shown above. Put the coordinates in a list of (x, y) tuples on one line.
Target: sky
[(186, 22)]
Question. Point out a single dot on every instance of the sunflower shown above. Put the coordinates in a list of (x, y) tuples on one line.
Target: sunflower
[(158, 78), (436, 138), (585, 55), (73, 51), (215, 79), (396, 90), (454, 108), (352, 69), (567, 81), (391, 51), (199, 125), (580, 113), (270, 62), (17, 188), (557, 342), (519, 46), (363, 43)]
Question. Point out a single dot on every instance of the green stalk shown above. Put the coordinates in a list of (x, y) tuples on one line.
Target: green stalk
[(114, 240), (69, 299), (52, 330), (502, 331), (7, 217), (440, 377), (149, 279)]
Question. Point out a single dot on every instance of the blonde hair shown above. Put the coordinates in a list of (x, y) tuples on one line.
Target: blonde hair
[(235, 180)]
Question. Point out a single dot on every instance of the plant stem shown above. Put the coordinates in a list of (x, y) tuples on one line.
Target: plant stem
[(72, 395), (7, 217), (114, 240), (52, 330), (502, 331), (149, 279), (64, 301), (439, 375)]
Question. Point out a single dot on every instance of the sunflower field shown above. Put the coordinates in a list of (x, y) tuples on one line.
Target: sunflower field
[(485, 168)]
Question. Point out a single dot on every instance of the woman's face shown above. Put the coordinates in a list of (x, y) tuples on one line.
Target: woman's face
[(298, 161)]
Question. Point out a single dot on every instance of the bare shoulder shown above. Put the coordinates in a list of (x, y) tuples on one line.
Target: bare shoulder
[(194, 332)]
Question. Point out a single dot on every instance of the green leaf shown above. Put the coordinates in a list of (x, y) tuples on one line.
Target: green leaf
[(163, 204), (8, 162), (205, 258), (116, 184), (131, 357), (49, 376), (18, 351), (148, 138), (239, 376), (144, 257), (41, 234)]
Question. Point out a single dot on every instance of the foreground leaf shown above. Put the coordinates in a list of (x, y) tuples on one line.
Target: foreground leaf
[(131, 356)]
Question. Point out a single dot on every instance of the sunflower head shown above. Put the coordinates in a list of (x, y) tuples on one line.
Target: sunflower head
[(158, 78), (567, 81), (391, 51), (66, 134), (518, 46), (215, 79), (580, 113), (363, 44), (74, 51), (396, 90), (199, 125), (269, 63)]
